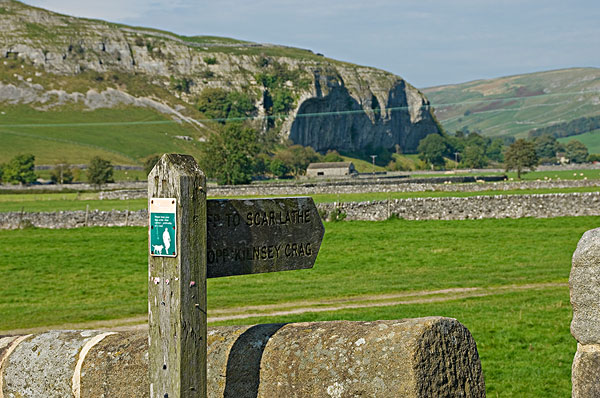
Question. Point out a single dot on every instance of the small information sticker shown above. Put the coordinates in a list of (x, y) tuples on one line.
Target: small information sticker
[(162, 227)]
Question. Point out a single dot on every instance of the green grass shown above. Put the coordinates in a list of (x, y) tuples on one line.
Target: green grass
[(122, 135), (554, 175), (34, 202), (591, 140), (60, 276), (396, 255), (362, 166), (523, 338), (57, 274)]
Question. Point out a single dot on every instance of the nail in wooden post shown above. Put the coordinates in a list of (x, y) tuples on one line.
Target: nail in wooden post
[(177, 279)]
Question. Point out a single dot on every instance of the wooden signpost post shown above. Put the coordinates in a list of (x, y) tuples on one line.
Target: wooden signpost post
[(190, 239)]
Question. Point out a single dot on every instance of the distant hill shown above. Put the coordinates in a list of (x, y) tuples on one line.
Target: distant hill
[(515, 105), (72, 87)]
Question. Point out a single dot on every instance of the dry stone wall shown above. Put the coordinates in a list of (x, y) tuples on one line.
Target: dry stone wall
[(73, 219), (377, 185), (475, 207), (423, 357), (78, 187), (450, 208)]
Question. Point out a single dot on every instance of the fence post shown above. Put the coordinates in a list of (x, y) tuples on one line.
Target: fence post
[(177, 283)]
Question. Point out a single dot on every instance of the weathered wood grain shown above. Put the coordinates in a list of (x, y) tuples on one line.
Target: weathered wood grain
[(177, 286)]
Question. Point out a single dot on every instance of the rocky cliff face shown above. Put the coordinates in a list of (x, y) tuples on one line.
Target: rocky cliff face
[(333, 105), (380, 111)]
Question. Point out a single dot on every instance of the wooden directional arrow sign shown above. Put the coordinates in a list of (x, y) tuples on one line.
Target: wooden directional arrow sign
[(250, 236)]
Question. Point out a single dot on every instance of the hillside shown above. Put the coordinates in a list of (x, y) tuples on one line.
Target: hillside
[(514, 105), (62, 77)]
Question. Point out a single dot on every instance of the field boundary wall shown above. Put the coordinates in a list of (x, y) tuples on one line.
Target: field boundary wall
[(445, 208)]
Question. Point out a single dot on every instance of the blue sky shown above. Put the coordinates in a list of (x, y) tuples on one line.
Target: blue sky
[(427, 42)]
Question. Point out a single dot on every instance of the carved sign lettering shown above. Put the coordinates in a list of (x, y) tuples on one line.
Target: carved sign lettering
[(250, 236)]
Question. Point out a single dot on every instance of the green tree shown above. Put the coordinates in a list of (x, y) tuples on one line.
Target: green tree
[(593, 157), (2, 166), (20, 170), (62, 174), (577, 152), (240, 105), (474, 157), (332, 156), (278, 168), (217, 103), (476, 139), (297, 158), (229, 155), (282, 101), (546, 147), (494, 150), (213, 103), (100, 171), (150, 162), (520, 155), (432, 150)]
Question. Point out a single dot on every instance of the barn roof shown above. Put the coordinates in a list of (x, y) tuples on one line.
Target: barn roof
[(330, 165)]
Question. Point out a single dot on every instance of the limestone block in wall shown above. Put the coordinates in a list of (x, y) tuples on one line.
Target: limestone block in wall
[(424, 357), (584, 283), (586, 371), (44, 365)]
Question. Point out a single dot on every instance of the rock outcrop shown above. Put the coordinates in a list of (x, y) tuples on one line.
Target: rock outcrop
[(331, 104), (585, 326)]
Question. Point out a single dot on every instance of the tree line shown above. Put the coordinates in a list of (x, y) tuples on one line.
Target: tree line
[(237, 153), (566, 129), (470, 150), (21, 170), (474, 151)]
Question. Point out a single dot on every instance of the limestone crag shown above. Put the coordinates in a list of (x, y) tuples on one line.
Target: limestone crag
[(393, 112), (336, 105)]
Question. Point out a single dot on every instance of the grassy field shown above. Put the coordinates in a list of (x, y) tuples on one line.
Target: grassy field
[(61, 276), (523, 339), (79, 201), (122, 135), (591, 140), (560, 174), (514, 105)]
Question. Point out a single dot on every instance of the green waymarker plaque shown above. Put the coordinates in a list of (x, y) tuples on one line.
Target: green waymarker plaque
[(162, 227)]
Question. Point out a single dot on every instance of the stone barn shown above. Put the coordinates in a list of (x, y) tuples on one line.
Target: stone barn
[(330, 169)]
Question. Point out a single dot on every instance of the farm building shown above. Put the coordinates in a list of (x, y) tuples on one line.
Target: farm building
[(331, 169)]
